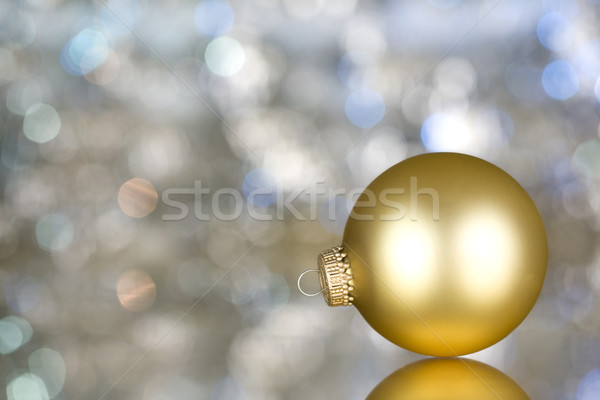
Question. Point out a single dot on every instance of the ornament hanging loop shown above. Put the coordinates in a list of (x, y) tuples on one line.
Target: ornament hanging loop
[(300, 283)]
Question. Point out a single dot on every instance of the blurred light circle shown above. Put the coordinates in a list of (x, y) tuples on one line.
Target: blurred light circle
[(384, 148), (455, 77), (54, 232), (158, 154), (498, 127), (84, 52), (260, 187), (114, 230), (49, 365), (241, 286), (589, 386), (586, 61), (137, 198), (19, 28), (443, 4), (27, 387), (23, 325), (587, 158), (213, 17), (449, 132), (42, 123), (21, 294), (224, 56), (120, 16), (560, 80), (273, 294), (136, 290), (11, 337), (24, 94), (303, 9), (107, 72), (364, 108), (364, 33), (555, 32), (340, 8), (228, 389), (41, 3), (14, 333)]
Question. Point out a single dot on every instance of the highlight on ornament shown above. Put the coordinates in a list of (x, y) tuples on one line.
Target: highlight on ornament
[(444, 286)]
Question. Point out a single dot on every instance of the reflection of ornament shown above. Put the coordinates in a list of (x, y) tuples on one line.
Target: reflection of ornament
[(447, 379), (443, 254)]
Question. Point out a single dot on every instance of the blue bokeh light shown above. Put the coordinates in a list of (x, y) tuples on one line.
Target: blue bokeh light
[(228, 388), (560, 80), (589, 386), (365, 108), (554, 32), (213, 17), (437, 133), (27, 386), (54, 232), (14, 333), (587, 61), (21, 293), (260, 187), (128, 12), (84, 52)]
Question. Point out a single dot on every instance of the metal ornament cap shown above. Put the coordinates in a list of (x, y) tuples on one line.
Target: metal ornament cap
[(335, 276)]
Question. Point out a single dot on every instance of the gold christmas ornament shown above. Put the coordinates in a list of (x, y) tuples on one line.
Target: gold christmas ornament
[(447, 379), (443, 254)]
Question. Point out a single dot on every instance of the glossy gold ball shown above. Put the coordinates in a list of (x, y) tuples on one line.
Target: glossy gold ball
[(448, 379), (448, 254)]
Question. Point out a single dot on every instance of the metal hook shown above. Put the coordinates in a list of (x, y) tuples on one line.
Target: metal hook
[(300, 278)]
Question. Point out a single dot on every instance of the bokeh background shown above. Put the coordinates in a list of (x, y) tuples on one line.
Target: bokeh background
[(111, 112)]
